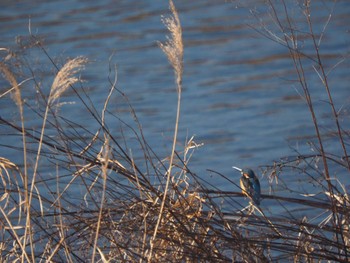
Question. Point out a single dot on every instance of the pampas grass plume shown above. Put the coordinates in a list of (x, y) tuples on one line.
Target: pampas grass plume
[(66, 77)]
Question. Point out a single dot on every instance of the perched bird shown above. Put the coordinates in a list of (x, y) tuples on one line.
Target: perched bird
[(250, 184)]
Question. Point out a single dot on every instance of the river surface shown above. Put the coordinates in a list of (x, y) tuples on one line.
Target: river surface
[(240, 96)]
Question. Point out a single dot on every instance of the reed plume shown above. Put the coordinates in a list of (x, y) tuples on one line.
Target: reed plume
[(10, 77), (66, 77), (173, 48)]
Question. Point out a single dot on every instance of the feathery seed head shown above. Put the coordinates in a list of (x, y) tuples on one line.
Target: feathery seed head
[(66, 77)]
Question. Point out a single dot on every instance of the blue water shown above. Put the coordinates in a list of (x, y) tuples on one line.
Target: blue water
[(239, 98)]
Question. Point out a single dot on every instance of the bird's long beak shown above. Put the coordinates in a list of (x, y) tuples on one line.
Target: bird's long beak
[(238, 169)]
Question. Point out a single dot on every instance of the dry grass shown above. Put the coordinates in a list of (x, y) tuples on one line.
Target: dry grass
[(66, 77), (174, 48), (89, 200), (174, 51), (18, 100), (12, 80)]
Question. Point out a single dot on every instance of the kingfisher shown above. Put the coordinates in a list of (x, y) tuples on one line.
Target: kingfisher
[(250, 184)]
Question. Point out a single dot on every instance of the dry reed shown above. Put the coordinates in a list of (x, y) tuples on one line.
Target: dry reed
[(66, 77), (173, 48)]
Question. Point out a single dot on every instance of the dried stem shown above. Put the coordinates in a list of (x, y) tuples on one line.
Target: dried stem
[(173, 48)]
